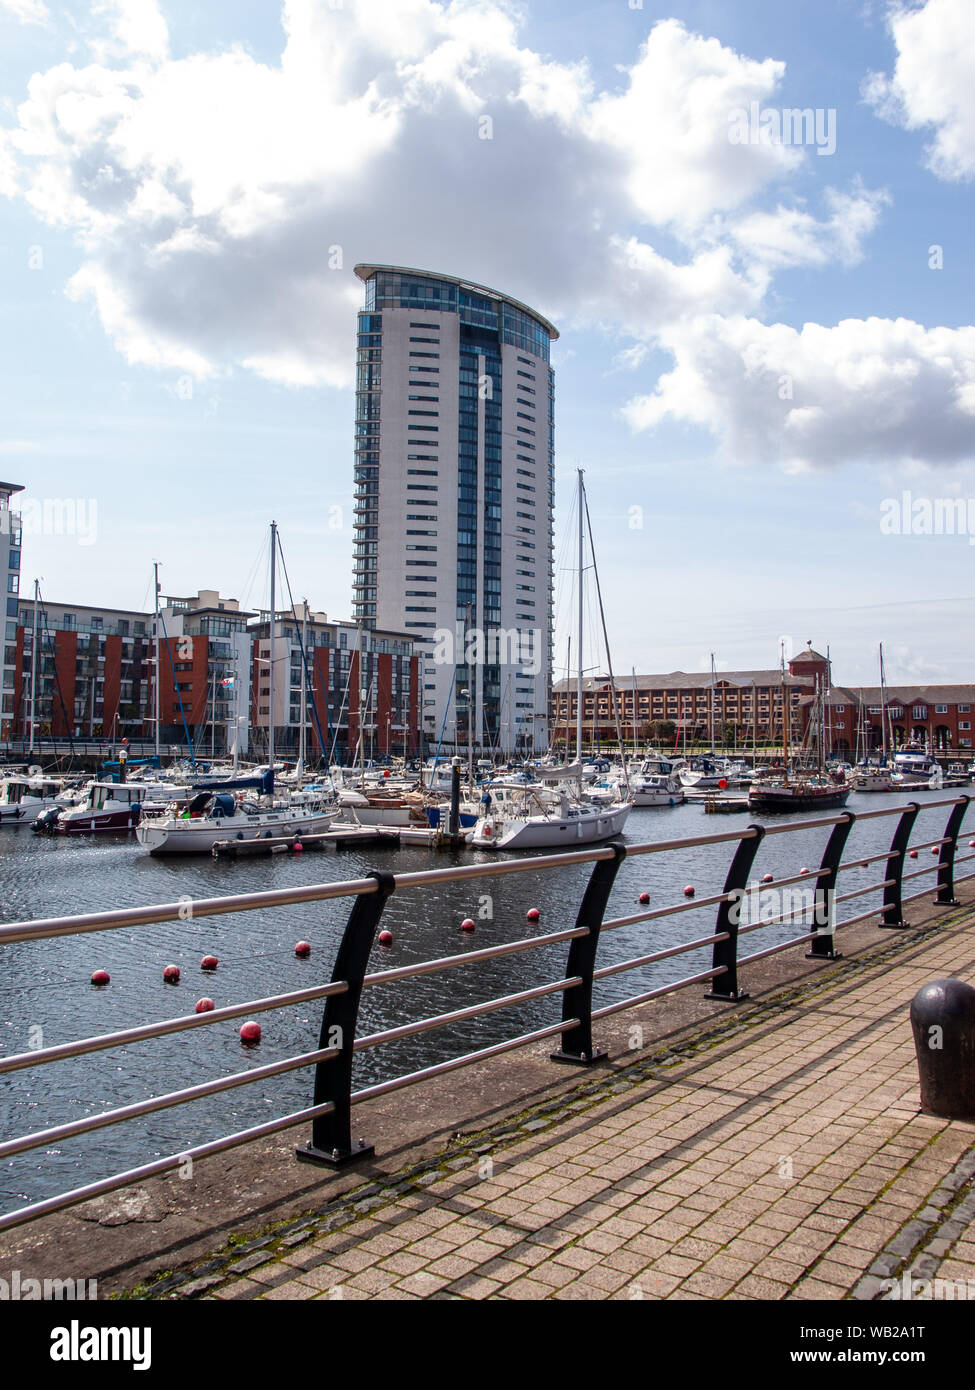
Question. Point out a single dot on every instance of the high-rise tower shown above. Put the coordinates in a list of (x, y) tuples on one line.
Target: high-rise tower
[(454, 497)]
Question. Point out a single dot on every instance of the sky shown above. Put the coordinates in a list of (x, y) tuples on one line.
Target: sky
[(766, 335)]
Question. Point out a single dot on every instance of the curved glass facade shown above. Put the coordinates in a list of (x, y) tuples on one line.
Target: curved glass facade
[(402, 290)]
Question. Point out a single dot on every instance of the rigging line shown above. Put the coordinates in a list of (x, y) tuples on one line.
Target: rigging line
[(179, 697), (309, 685), (252, 575), (609, 659), (68, 723)]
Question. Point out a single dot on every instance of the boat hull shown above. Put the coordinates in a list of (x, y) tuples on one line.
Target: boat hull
[(171, 835), (785, 799), (551, 832)]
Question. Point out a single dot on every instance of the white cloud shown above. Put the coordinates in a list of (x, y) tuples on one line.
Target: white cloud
[(933, 83), (882, 390), (673, 125), (136, 27), (793, 237), (221, 203), (209, 191), (26, 11)]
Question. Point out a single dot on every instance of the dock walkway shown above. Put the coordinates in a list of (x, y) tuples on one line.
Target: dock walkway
[(781, 1156)]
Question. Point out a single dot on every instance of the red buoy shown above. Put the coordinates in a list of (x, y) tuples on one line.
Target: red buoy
[(644, 898), (804, 871), (935, 849), (722, 783), (385, 938), (971, 844), (767, 878), (912, 854), (250, 1032), (208, 963), (203, 1006), (100, 977), (533, 914), (171, 974), (689, 891), (302, 948), (467, 924), (297, 847)]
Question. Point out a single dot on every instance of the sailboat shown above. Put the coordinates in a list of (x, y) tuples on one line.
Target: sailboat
[(195, 824), (873, 777), (551, 817), (803, 789)]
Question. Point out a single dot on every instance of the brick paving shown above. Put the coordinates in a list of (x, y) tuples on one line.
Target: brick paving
[(785, 1160)]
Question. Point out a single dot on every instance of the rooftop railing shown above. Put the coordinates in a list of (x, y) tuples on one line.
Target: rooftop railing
[(575, 1030)]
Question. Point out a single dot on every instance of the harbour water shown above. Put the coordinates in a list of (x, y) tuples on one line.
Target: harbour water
[(46, 996)]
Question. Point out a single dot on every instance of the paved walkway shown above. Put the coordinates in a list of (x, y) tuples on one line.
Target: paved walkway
[(785, 1158)]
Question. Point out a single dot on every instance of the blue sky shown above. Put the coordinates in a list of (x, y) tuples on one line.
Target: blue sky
[(755, 351)]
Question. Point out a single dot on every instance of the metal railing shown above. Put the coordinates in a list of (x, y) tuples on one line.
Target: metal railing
[(333, 1096)]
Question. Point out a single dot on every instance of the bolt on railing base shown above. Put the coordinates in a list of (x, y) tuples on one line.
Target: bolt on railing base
[(894, 926), (731, 997), (334, 1158), (579, 1059)]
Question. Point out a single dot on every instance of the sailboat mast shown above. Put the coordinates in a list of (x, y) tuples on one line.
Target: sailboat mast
[(33, 673), (786, 717), (633, 673), (579, 638), (883, 705), (304, 658), (155, 683), (270, 727), (711, 708)]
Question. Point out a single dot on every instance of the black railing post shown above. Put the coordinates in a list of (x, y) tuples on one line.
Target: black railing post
[(331, 1135), (946, 862), (577, 1046), (823, 946), (892, 912), (725, 954)]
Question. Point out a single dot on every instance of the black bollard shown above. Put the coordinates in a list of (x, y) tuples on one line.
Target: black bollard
[(943, 1020)]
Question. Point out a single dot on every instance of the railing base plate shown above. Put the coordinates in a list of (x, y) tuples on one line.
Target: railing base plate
[(894, 926), (335, 1158), (945, 902), (579, 1059), (824, 955), (727, 998)]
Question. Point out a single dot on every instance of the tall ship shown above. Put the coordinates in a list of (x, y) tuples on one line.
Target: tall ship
[(801, 788)]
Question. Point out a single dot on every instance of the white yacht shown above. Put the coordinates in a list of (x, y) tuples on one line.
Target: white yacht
[(534, 818), (194, 826), (23, 798), (107, 806), (656, 783)]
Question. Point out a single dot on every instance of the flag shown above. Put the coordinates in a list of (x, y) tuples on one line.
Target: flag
[(228, 680)]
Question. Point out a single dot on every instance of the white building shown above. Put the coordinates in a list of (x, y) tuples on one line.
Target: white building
[(454, 498)]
